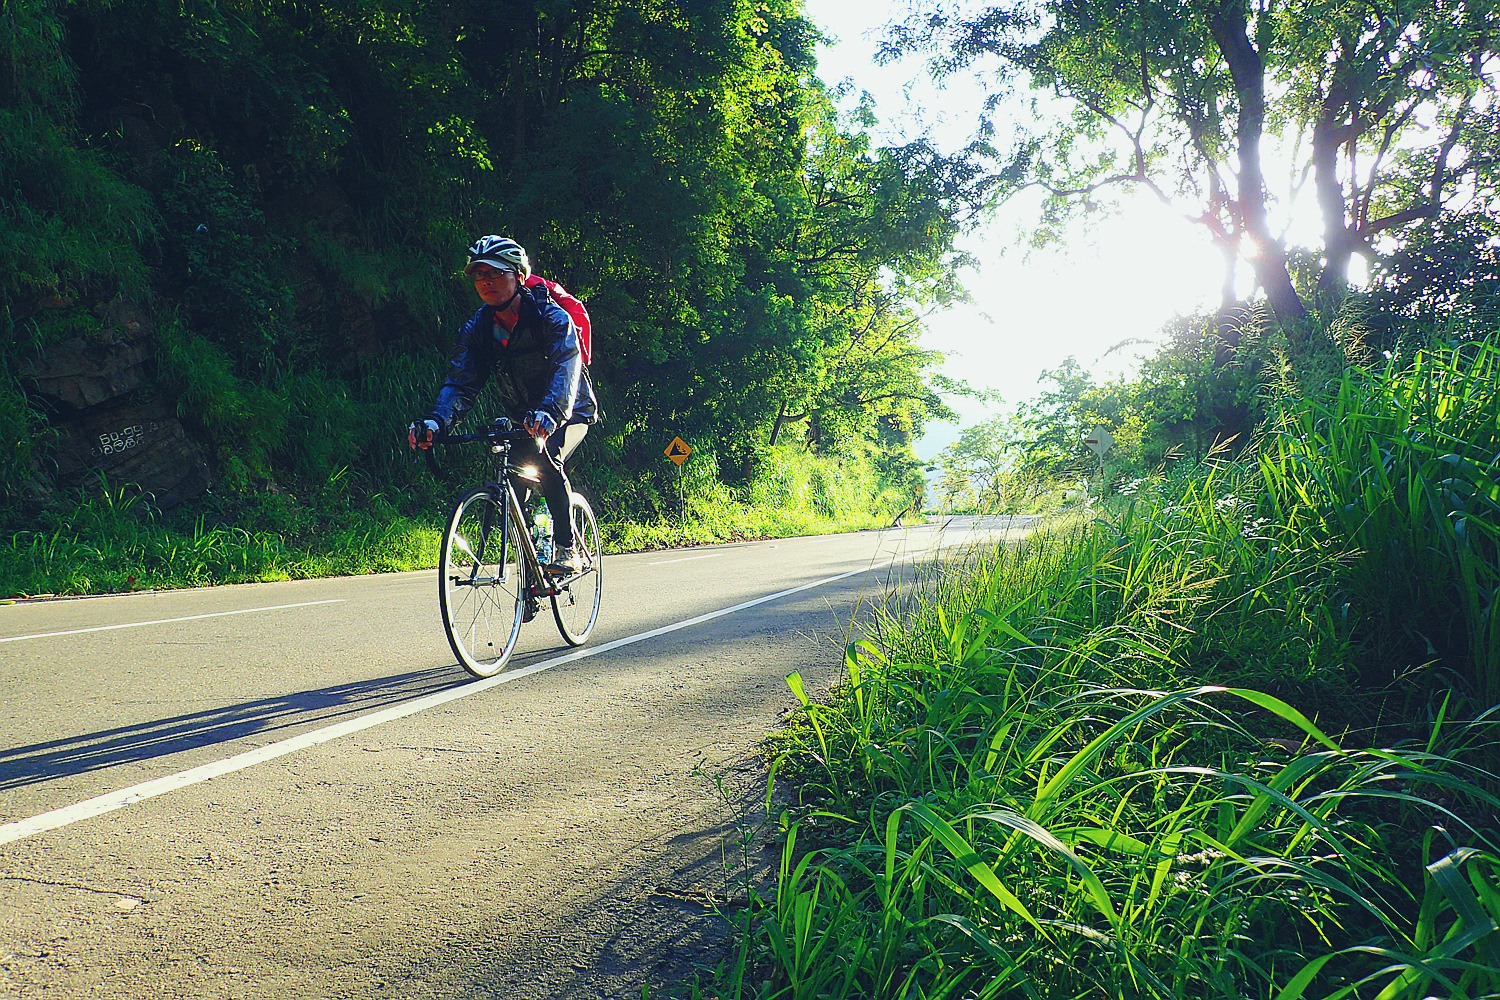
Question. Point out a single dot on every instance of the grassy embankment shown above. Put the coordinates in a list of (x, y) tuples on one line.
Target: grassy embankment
[(1226, 739), (113, 541)]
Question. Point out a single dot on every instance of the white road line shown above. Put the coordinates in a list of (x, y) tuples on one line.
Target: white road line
[(168, 621), (110, 801), (711, 555)]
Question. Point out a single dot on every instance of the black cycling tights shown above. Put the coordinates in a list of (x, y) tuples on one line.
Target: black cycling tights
[(552, 480)]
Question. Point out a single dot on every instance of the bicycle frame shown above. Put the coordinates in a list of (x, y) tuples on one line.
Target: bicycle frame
[(540, 585), (501, 437)]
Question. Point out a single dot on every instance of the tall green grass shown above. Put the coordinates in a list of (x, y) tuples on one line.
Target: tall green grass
[(1189, 745), (985, 808), (1399, 470), (1003, 831), (114, 541)]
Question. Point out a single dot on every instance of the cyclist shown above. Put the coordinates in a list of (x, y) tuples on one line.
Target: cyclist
[(531, 344)]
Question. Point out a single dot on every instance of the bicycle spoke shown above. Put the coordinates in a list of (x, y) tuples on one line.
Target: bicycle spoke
[(576, 598), (481, 600)]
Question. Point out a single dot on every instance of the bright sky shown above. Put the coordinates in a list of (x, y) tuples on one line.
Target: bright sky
[(1121, 281)]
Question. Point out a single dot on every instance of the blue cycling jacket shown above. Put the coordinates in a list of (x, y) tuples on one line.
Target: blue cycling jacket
[(539, 365)]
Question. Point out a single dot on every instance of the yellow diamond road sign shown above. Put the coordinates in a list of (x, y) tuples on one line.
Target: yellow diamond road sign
[(678, 450)]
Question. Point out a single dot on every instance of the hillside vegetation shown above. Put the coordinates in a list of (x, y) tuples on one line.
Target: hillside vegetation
[(232, 232)]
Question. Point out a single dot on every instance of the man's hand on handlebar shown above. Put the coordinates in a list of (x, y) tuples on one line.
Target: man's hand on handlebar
[(539, 424), (419, 434)]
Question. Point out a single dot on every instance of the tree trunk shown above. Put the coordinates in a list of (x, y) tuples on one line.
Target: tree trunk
[(1228, 24), (783, 418), (1338, 240), (780, 420), (1228, 297), (1227, 320)]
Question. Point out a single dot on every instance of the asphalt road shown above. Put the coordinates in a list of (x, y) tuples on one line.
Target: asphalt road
[(292, 790)]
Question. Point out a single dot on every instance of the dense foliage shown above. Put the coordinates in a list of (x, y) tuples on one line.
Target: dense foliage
[(287, 189), (1228, 737)]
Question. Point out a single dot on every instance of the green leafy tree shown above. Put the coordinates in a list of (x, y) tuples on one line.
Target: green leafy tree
[(1058, 419), (984, 453), (864, 239), (1180, 97), (1448, 273), (955, 492)]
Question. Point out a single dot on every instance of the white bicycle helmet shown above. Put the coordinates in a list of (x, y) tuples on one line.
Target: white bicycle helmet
[(501, 253)]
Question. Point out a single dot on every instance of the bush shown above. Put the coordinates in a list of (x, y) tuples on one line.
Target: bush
[(790, 492)]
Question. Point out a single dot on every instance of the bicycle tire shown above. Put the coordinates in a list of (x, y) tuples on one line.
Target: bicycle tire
[(483, 601), (575, 600)]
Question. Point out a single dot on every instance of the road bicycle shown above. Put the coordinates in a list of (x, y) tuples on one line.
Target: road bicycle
[(490, 576)]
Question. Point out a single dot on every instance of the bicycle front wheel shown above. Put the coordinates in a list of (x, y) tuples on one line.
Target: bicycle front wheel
[(575, 599), (482, 582)]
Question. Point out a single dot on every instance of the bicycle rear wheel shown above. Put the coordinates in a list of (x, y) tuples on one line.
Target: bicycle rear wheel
[(575, 599), (482, 582)]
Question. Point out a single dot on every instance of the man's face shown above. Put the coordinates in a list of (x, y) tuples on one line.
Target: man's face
[(496, 287)]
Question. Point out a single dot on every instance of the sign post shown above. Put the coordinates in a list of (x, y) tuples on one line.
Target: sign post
[(678, 451), (1099, 441)]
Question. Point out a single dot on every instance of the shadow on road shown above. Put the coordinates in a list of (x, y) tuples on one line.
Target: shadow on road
[(28, 765)]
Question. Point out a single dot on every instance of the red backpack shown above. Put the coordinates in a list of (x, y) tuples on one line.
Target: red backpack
[(573, 307)]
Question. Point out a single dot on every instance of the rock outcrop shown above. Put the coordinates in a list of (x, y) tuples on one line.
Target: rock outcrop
[(96, 389), (144, 445)]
